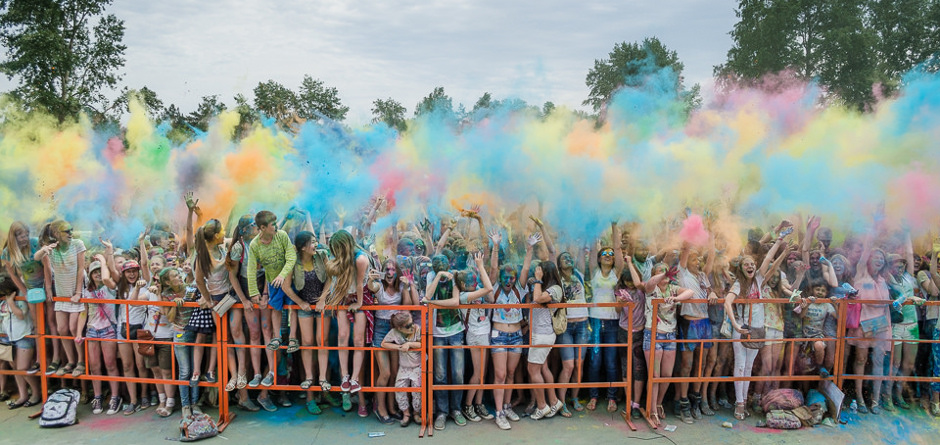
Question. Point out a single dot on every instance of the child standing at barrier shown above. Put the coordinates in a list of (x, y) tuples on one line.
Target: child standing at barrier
[(102, 324), (212, 281), (405, 337), (31, 277), (814, 317), (15, 324)]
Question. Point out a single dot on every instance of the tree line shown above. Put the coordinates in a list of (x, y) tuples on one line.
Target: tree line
[(66, 58)]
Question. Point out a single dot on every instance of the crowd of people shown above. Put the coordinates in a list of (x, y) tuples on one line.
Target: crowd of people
[(323, 278)]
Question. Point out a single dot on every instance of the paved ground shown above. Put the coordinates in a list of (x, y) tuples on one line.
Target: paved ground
[(295, 426)]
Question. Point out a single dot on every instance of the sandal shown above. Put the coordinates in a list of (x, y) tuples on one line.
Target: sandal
[(661, 412), (67, 369), (313, 408), (325, 385), (79, 370), (242, 382), (576, 404), (293, 346), (306, 384), (231, 385), (592, 404), (740, 411), (275, 344), (611, 406), (52, 368), (405, 420), (564, 411)]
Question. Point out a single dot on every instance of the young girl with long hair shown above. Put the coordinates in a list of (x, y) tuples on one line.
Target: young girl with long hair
[(16, 324), (67, 258), (31, 277), (253, 317), (212, 281), (397, 288), (606, 319)]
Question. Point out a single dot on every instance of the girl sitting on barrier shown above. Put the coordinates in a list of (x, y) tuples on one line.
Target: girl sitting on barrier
[(67, 259)]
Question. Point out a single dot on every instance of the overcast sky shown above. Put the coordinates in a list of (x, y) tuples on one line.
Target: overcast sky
[(534, 50)]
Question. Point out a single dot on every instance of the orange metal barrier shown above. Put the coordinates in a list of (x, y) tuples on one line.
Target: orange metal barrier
[(626, 383)]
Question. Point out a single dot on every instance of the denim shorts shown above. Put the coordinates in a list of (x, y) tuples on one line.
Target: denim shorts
[(306, 314), (108, 332), (696, 330), (25, 343), (506, 339), (660, 345), (381, 328)]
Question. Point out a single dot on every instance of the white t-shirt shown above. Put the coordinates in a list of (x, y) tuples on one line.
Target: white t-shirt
[(13, 327), (604, 293), (542, 316), (157, 323), (65, 267), (383, 298), (744, 310), (101, 316), (698, 284), (478, 320)]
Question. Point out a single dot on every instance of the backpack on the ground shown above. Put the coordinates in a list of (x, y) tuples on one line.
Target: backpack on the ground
[(781, 399), (60, 409), (196, 427), (783, 420)]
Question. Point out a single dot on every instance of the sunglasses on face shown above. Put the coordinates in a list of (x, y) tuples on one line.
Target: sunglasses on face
[(68, 231), (408, 327), (607, 253)]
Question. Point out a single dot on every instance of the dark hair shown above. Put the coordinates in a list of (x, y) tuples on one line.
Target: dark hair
[(625, 279), (209, 231), (550, 276), (396, 283), (264, 218), (601, 250), (301, 240), (7, 286), (243, 223)]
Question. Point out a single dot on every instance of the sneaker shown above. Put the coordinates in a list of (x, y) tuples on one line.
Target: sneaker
[(554, 409), (33, 369), (284, 400), (255, 381), (354, 386), (328, 397), (887, 404), (144, 402), (363, 411), (267, 404), (440, 421), (510, 414), (268, 379), (211, 378), (724, 403), (685, 411), (861, 407), (345, 386), (249, 406), (501, 421), (458, 418), (675, 408), (902, 403), (114, 406), (541, 412), (131, 408), (875, 409), (482, 412), (96, 405), (154, 399), (470, 413), (347, 402)]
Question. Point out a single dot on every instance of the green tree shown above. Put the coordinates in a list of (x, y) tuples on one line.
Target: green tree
[(624, 63), (63, 54), (389, 111), (274, 100), (547, 108), (436, 102), (315, 97), (906, 32), (209, 107), (762, 42)]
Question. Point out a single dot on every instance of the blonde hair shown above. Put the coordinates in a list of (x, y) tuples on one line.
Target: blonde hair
[(342, 267), (17, 257)]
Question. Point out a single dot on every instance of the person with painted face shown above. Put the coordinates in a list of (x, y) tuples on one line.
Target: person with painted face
[(398, 288), (272, 250), (32, 278), (874, 330), (101, 321), (67, 259), (610, 265), (572, 283), (749, 284), (447, 330), (477, 330), (507, 331), (902, 283)]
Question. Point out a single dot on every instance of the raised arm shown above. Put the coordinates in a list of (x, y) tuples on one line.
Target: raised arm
[(546, 236), (710, 257), (496, 238), (190, 241), (861, 269), (768, 259), (534, 239), (617, 246), (909, 253)]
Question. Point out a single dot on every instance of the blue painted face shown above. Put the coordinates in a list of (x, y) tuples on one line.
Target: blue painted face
[(507, 279)]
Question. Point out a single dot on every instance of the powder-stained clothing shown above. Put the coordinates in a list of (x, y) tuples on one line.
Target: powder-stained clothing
[(814, 318), (30, 269), (277, 258)]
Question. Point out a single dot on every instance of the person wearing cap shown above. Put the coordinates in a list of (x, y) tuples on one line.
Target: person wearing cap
[(101, 321), (130, 319)]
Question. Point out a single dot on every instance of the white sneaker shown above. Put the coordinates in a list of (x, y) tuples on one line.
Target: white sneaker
[(541, 412), (501, 421), (510, 414), (555, 408)]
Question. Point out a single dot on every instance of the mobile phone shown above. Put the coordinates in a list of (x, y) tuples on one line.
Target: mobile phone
[(786, 231)]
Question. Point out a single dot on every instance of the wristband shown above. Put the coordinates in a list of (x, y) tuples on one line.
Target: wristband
[(537, 282)]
